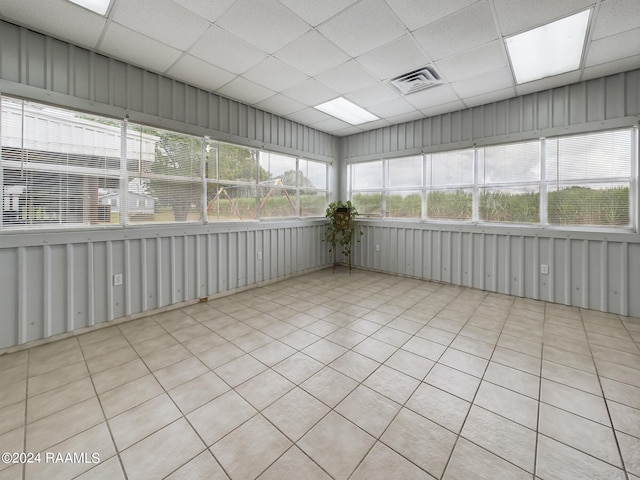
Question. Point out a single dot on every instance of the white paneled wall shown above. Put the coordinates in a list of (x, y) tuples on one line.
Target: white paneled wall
[(600, 272), (57, 283)]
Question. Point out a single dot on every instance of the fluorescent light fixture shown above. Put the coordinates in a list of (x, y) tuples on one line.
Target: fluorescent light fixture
[(98, 6), (345, 110), (548, 50)]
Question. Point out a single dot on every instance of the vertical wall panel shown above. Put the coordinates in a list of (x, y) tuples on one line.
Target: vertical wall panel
[(151, 95), (614, 96)]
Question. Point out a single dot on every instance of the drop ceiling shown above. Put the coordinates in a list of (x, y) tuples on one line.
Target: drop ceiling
[(286, 56)]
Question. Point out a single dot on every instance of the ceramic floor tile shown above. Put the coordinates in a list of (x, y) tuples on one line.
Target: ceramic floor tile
[(336, 445), (392, 384), (471, 461), (391, 336), (273, 353), (136, 423), (319, 328), (119, 375), (264, 389), (513, 379), (62, 425), (298, 367), (329, 386), (520, 361), (39, 406), (620, 373), (410, 363), (480, 334), (264, 442), (220, 355), (95, 349), (189, 333), (501, 436), (303, 338), (204, 342), (345, 337), (220, 416), (453, 381), (585, 381), (197, 392), (579, 433), (514, 406), (436, 335), (355, 365), (165, 357), (464, 362), (12, 416), (54, 362), (324, 351), (294, 464), (95, 441), (180, 372), (295, 413), (576, 401), (630, 448), (569, 359), (558, 461), (424, 348), (473, 347), (51, 380), (423, 442), (161, 453), (240, 370), (439, 406), (109, 469), (111, 359), (621, 392), (13, 392), (153, 345), (625, 418), (382, 463), (203, 466), (122, 398), (359, 404)]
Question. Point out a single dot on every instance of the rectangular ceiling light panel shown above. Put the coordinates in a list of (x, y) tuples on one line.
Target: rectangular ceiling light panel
[(99, 6), (548, 50), (345, 110)]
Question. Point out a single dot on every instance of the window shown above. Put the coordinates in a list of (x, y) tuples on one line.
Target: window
[(58, 167), (509, 181), (589, 179), (165, 167), (366, 188), (231, 175), (450, 185), (586, 180)]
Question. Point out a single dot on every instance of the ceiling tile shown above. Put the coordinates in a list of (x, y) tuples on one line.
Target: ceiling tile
[(485, 83), (400, 56), (124, 44), (206, 8), (275, 75), (363, 27), (406, 117), (432, 96), (610, 68), (417, 13), (54, 18), (616, 47), (616, 16), (346, 78), (315, 12), (309, 116), (465, 29), (266, 24), (473, 62), (311, 93), (490, 97), (548, 82), (281, 105), (444, 108), (512, 20), (170, 23), (390, 109), (201, 74), (245, 91), (325, 54), (229, 53), (331, 125), (379, 93)]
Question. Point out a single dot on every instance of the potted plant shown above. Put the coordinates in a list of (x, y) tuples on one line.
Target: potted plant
[(341, 228)]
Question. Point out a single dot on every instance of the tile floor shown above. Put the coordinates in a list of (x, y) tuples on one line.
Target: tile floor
[(361, 376)]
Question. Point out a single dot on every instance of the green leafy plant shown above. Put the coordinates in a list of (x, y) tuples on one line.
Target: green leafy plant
[(342, 226)]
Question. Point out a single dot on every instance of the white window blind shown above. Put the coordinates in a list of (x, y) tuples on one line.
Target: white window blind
[(58, 167)]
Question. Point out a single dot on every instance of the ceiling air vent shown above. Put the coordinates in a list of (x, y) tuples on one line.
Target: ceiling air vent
[(417, 80)]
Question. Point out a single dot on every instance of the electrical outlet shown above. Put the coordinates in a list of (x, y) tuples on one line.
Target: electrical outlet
[(377, 247), (544, 269), (259, 255), (117, 279)]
